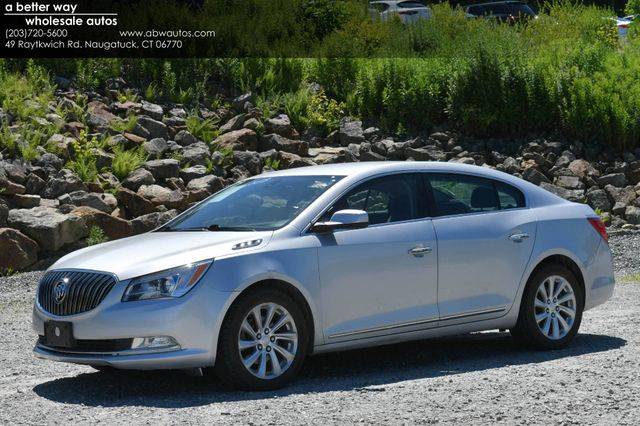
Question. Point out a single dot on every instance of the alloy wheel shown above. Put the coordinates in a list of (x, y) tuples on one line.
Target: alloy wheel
[(555, 307), (268, 340)]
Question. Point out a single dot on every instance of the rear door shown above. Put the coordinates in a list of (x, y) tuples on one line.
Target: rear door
[(485, 238)]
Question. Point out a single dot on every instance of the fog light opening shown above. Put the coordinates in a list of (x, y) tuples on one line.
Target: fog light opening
[(155, 342)]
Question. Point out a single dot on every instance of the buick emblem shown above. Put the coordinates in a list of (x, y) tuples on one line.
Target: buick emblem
[(60, 291)]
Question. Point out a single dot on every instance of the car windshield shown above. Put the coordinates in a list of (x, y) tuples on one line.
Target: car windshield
[(259, 204)]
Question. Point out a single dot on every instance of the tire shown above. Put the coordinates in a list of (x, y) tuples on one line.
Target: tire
[(230, 367), (534, 334)]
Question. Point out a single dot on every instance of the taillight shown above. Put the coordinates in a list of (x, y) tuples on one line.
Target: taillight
[(599, 226)]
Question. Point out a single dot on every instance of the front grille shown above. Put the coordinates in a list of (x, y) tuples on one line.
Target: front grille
[(84, 291), (113, 345)]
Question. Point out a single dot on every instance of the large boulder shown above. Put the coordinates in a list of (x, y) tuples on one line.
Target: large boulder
[(234, 123), (534, 176), (632, 214), (133, 204), (569, 182), (18, 250), (155, 147), (238, 140), (350, 132), (156, 129), (280, 125), (598, 199), (249, 160), (104, 202), (196, 154), (137, 178), (34, 184), (616, 179), (48, 227), (4, 212), (163, 169), (281, 143), (113, 227), (582, 169), (184, 138), (151, 221), (193, 172), (428, 153), (152, 110), (576, 195), (63, 182), (161, 196), (211, 183)]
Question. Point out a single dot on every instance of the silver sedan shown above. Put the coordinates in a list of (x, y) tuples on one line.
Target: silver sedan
[(252, 280)]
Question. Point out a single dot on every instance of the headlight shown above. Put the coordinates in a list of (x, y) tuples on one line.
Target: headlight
[(172, 283)]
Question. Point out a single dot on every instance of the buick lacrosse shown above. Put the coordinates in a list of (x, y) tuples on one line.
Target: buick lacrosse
[(286, 264)]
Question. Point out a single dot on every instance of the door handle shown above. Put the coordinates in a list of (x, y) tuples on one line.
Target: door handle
[(420, 251), (518, 238)]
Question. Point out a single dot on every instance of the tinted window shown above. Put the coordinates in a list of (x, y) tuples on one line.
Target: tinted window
[(460, 194), (509, 197), (254, 204), (387, 199), (410, 4)]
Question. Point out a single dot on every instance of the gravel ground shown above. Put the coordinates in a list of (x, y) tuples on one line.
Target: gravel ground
[(480, 378)]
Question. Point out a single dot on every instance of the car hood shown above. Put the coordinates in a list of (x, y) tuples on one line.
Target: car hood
[(156, 251)]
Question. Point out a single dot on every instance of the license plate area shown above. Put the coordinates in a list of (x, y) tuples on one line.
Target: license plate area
[(59, 334)]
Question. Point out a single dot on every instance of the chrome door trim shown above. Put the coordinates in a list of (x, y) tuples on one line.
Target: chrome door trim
[(382, 328), (474, 313)]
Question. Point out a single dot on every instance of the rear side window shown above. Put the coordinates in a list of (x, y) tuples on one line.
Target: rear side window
[(387, 199), (460, 194), (509, 196), (410, 4)]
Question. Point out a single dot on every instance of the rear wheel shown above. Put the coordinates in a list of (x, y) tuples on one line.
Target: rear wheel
[(263, 341), (551, 309)]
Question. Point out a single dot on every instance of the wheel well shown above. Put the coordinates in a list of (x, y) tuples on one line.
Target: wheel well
[(558, 259), (292, 292)]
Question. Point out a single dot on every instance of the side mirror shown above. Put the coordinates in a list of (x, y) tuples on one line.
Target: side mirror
[(343, 219)]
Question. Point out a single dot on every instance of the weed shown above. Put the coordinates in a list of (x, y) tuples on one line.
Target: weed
[(126, 161), (96, 236)]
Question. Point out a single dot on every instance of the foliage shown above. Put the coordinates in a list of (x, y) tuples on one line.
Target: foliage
[(126, 161), (272, 163), (84, 163), (203, 129), (96, 236), (126, 125)]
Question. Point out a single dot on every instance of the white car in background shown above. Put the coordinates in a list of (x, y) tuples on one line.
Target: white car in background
[(408, 11), (622, 24)]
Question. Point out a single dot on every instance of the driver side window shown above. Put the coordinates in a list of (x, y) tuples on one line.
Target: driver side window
[(387, 199)]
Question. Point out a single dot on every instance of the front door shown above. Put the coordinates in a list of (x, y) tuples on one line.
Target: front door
[(381, 279)]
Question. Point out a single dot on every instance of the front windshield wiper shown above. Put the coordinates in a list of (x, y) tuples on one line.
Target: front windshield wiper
[(210, 228)]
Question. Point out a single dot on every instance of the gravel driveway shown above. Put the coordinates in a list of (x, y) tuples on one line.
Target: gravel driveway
[(479, 378)]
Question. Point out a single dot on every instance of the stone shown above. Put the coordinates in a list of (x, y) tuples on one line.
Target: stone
[(133, 204), (210, 183), (152, 110), (104, 202), (159, 195), (616, 179), (196, 154), (618, 208), (10, 188), (156, 129), (350, 132), (104, 159), (281, 143), (429, 153), (184, 138), (15, 173), (239, 102), (279, 125), (193, 172), (137, 178), (156, 147), (567, 194), (371, 133), (25, 201), (235, 123), (626, 195), (133, 140), (536, 177), (249, 160), (441, 137), (569, 182), (632, 214), (18, 250), (152, 221), (238, 140), (583, 168), (163, 169), (113, 227), (62, 145), (599, 200), (63, 182), (633, 172), (252, 124), (48, 227), (50, 161), (290, 161), (371, 156), (4, 212)]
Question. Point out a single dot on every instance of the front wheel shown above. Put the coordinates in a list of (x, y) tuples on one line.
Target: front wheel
[(263, 341), (551, 309)]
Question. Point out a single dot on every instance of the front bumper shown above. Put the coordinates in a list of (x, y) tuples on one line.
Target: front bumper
[(193, 320)]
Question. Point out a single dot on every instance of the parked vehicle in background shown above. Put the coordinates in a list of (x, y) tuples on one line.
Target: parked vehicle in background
[(408, 11), (623, 23), (503, 11), (327, 258)]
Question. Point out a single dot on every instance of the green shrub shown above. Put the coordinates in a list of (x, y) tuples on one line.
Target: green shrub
[(126, 125), (96, 236), (84, 163), (205, 130), (126, 161)]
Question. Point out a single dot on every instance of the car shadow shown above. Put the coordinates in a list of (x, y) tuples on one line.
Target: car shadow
[(351, 370)]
